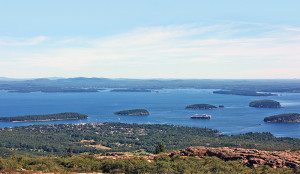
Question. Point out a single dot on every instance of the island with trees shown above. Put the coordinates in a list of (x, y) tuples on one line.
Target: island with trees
[(243, 92), (133, 112), (201, 106), (45, 117), (265, 104), (283, 118), (131, 90)]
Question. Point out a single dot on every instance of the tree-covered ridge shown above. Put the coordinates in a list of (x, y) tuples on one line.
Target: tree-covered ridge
[(265, 104), (65, 138), (45, 117), (283, 118)]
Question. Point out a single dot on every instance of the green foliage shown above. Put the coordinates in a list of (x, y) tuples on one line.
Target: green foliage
[(163, 165), (159, 148), (4, 152), (65, 139)]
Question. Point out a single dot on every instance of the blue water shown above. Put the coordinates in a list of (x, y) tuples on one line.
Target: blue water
[(166, 107)]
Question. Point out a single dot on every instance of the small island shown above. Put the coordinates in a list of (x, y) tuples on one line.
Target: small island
[(45, 117), (133, 112), (201, 106), (284, 118), (130, 90), (265, 104), (243, 93)]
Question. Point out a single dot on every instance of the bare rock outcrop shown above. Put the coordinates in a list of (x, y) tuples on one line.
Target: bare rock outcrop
[(250, 157)]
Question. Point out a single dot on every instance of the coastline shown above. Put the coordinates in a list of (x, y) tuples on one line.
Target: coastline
[(164, 106)]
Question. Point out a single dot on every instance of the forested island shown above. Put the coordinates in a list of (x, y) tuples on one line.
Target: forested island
[(201, 106), (130, 90), (283, 118), (243, 92), (133, 112), (45, 117), (265, 104)]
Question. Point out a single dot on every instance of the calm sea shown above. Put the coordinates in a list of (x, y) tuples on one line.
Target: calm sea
[(166, 107)]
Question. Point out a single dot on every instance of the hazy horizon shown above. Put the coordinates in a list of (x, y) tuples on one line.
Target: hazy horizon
[(153, 78), (150, 39)]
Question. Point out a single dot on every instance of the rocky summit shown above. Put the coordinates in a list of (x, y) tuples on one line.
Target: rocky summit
[(250, 157)]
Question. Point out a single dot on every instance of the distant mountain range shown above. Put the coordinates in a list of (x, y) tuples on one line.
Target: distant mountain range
[(9, 79), (22, 79), (93, 84)]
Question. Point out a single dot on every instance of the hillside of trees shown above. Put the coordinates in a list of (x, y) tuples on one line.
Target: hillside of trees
[(99, 137)]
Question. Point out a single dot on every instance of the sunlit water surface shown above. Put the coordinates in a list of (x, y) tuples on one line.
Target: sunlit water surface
[(166, 107)]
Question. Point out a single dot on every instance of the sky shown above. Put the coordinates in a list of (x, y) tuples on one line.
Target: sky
[(186, 39)]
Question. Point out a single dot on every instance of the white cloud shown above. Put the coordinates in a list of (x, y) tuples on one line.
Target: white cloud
[(218, 51), (23, 41)]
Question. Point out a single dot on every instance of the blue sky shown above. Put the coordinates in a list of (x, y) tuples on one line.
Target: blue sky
[(150, 39)]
